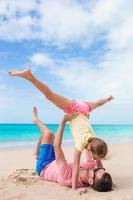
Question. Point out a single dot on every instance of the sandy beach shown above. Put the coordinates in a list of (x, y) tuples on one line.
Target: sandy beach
[(18, 179)]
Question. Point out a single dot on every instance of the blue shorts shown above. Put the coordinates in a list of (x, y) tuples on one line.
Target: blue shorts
[(46, 155)]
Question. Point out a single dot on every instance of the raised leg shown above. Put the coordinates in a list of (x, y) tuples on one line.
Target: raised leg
[(47, 137), (101, 102), (56, 99)]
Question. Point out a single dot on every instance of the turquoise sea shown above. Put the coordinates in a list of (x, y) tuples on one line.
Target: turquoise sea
[(14, 136)]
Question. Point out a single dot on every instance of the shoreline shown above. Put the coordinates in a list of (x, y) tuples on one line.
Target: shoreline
[(16, 145), (7, 146)]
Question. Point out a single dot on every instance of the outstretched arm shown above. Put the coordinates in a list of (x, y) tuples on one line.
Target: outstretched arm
[(75, 171), (59, 155), (101, 102), (60, 159)]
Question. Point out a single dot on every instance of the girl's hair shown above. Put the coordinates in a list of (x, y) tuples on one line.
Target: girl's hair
[(105, 184), (98, 147)]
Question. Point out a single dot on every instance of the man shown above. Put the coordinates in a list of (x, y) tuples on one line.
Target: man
[(52, 166)]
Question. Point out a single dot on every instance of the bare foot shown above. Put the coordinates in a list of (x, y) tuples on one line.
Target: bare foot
[(110, 98), (35, 115), (27, 74)]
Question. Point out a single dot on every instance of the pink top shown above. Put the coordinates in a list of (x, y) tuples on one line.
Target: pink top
[(79, 106), (63, 174)]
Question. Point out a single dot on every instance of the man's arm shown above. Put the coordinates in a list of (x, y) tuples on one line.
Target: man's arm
[(75, 170), (101, 102), (59, 134), (59, 155), (60, 158), (58, 137)]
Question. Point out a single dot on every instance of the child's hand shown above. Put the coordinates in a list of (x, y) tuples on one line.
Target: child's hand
[(69, 116)]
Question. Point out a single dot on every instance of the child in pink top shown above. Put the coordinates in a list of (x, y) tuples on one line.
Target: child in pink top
[(83, 134)]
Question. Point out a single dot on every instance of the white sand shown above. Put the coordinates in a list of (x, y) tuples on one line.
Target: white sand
[(19, 181)]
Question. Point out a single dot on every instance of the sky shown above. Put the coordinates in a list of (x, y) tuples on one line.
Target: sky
[(83, 49)]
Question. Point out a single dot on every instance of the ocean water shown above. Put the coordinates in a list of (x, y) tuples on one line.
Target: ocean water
[(14, 136)]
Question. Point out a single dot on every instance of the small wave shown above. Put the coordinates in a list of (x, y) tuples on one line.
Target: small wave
[(27, 144), (17, 145), (66, 142)]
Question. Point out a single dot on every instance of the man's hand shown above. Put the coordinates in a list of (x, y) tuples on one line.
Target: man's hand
[(69, 116)]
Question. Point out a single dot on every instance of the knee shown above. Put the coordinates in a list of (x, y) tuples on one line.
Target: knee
[(49, 136)]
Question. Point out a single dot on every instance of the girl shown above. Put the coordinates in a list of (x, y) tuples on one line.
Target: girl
[(84, 136)]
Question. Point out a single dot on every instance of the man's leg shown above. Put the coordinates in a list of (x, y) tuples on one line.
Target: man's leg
[(56, 99), (59, 155), (45, 147), (47, 137), (46, 152), (45, 131)]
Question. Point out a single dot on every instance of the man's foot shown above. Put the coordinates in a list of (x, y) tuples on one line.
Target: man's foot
[(35, 115), (27, 74)]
